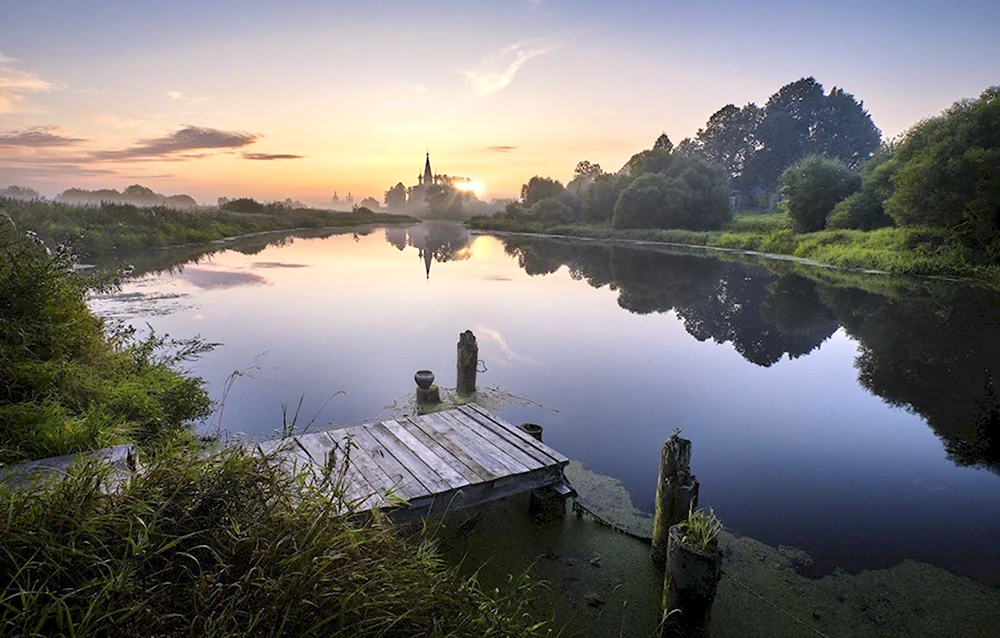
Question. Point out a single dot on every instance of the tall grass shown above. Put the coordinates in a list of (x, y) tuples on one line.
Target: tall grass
[(225, 544), (68, 381), (109, 227)]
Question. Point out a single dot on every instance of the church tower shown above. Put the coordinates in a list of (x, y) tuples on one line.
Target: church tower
[(428, 175)]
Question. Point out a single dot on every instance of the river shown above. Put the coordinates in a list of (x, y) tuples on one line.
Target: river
[(852, 416)]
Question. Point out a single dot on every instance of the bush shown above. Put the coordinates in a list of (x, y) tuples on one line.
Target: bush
[(860, 211), (553, 210), (66, 383), (812, 187), (244, 205), (693, 195)]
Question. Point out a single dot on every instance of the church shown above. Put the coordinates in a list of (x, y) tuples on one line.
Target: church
[(418, 193)]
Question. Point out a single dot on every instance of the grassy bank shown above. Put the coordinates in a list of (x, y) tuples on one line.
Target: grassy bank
[(70, 382), (911, 251), (104, 228), (225, 545)]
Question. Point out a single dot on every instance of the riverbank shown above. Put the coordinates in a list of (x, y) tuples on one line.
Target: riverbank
[(897, 251), (95, 230)]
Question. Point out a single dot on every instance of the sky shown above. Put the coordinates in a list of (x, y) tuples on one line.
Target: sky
[(302, 98)]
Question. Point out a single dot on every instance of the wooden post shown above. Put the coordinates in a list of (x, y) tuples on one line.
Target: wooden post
[(690, 581), (544, 504), (468, 361), (676, 492)]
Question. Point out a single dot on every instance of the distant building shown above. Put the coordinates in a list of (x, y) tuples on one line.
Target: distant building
[(418, 194)]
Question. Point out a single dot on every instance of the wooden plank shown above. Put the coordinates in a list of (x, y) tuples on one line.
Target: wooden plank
[(473, 426), (309, 453), (407, 485), (379, 482), (468, 467), (423, 472), (493, 459), (453, 477), (478, 410)]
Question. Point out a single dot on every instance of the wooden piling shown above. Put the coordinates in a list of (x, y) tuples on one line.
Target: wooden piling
[(468, 361), (676, 492), (544, 504), (691, 579)]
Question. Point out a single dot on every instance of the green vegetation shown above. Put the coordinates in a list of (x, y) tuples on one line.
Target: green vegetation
[(66, 382), (812, 187), (928, 204), (110, 227), (700, 530), (225, 544)]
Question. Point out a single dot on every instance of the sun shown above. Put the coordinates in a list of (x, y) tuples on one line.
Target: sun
[(470, 185)]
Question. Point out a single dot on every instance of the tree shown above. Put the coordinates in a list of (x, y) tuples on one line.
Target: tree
[(729, 138), (845, 130), (812, 187), (598, 201), (948, 172), (692, 195), (538, 188), (370, 203), (663, 143), (864, 210), (20, 192), (651, 161), (552, 209), (588, 170), (395, 197)]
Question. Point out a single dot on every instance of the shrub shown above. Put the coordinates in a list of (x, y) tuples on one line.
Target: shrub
[(812, 187)]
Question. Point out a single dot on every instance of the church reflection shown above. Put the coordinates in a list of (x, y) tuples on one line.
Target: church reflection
[(929, 347), (439, 241)]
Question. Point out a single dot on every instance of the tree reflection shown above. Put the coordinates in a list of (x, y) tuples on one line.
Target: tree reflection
[(934, 351)]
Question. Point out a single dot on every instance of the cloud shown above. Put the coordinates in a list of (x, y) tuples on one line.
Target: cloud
[(189, 138), (271, 156), (494, 74), (500, 149), (15, 82), (37, 137), (178, 95)]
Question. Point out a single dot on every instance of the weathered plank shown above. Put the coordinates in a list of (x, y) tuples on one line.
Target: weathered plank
[(490, 437), (474, 446), (522, 436), (440, 465), (423, 472), (456, 458), (407, 485)]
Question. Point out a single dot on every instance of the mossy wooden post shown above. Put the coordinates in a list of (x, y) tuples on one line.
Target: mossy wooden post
[(676, 492), (544, 504), (689, 584), (427, 392), (468, 361)]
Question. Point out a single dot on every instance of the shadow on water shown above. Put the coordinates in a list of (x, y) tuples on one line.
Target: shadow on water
[(931, 348)]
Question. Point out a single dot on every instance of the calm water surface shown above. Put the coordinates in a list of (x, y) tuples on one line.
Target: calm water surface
[(853, 418)]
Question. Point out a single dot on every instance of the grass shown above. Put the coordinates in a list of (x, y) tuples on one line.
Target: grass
[(69, 381), (95, 230), (225, 544), (700, 530), (910, 251)]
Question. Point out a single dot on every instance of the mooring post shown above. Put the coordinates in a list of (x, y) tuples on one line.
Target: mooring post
[(468, 361), (427, 392), (676, 492), (544, 504)]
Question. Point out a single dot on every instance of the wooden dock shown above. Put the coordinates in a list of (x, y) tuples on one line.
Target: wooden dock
[(427, 464)]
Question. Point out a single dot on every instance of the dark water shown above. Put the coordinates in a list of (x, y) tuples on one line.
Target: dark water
[(855, 417)]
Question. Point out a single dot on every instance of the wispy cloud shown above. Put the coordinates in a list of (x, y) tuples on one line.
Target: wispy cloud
[(183, 97), (189, 138), (500, 149), (14, 83), (37, 137), (271, 156), (496, 73)]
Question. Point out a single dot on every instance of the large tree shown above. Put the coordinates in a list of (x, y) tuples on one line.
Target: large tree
[(538, 188), (729, 138), (948, 171), (395, 197)]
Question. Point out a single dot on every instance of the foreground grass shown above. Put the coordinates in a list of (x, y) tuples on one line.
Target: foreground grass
[(911, 251), (99, 229), (224, 544)]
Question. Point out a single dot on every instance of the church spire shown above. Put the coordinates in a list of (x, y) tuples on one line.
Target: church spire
[(428, 175)]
